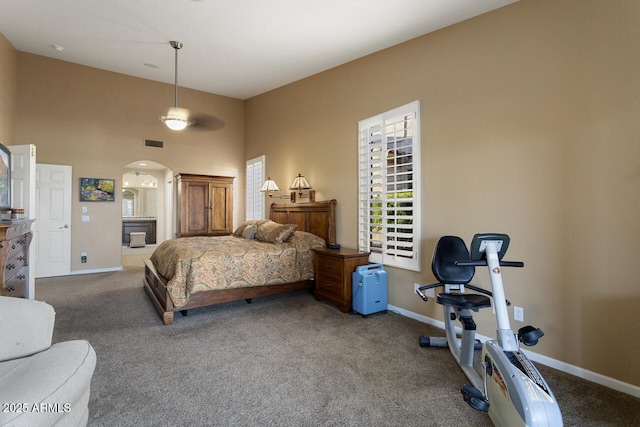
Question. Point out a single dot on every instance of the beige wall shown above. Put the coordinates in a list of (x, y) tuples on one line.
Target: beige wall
[(8, 90), (530, 127), (538, 100), (97, 121)]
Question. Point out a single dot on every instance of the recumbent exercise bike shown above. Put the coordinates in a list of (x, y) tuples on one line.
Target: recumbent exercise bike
[(510, 389)]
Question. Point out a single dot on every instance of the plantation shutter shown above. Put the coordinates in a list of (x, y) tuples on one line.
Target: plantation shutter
[(255, 198), (389, 194)]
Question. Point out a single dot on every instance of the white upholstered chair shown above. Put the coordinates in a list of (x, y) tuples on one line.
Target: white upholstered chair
[(41, 384)]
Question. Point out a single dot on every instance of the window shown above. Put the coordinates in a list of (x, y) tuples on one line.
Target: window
[(389, 187), (255, 198)]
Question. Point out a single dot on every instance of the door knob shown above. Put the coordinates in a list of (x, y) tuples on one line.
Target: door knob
[(65, 226)]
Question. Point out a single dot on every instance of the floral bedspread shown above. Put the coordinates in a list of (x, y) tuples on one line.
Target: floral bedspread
[(197, 264)]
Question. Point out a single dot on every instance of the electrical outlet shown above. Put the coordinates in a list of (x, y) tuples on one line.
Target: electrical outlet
[(518, 313)]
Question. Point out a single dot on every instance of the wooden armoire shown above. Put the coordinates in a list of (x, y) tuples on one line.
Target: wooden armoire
[(204, 205)]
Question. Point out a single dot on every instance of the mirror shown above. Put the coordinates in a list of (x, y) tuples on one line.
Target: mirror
[(139, 195)]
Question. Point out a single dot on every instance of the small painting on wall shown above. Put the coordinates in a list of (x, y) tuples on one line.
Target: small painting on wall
[(97, 190)]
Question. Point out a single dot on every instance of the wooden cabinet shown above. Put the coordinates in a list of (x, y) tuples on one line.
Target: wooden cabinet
[(333, 274), (15, 238), (204, 205)]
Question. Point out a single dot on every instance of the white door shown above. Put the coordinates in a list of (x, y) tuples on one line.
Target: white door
[(23, 195), (53, 225)]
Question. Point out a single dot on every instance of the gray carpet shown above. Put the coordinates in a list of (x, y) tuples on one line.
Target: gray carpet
[(285, 360)]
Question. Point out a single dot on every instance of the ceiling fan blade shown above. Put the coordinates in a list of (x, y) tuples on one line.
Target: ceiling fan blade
[(207, 122)]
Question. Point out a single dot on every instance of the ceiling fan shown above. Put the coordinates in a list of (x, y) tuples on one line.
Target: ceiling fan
[(180, 118)]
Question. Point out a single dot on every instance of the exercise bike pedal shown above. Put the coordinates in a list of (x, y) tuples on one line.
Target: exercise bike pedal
[(475, 398), (529, 336)]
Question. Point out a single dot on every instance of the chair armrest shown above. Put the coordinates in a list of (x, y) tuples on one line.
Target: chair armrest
[(26, 327)]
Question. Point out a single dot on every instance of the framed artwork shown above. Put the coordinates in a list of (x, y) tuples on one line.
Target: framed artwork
[(97, 190)]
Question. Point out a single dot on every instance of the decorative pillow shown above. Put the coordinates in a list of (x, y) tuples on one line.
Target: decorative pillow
[(249, 232), (273, 232), (240, 230)]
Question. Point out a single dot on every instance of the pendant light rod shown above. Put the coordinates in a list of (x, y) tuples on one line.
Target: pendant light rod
[(176, 120), (176, 45)]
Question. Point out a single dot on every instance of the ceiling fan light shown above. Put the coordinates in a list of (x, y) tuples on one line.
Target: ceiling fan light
[(176, 123)]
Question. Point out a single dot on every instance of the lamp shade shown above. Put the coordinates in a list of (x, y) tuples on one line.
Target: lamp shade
[(269, 186), (300, 183)]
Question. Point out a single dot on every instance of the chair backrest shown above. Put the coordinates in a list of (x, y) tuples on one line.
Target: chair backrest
[(26, 327), (448, 250)]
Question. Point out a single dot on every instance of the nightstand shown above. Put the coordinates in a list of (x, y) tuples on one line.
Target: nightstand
[(333, 274)]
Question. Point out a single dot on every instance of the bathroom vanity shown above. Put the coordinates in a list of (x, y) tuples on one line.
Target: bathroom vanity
[(132, 224)]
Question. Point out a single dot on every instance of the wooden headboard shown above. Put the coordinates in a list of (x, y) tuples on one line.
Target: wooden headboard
[(318, 218)]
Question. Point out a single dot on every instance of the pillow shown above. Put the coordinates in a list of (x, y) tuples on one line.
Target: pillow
[(249, 232), (273, 232), (239, 230)]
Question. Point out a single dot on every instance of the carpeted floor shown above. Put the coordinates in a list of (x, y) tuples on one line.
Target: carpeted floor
[(285, 360)]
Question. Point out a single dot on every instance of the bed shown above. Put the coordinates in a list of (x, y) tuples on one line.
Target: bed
[(186, 285)]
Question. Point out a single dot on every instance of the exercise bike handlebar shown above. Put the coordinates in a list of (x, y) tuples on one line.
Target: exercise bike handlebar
[(483, 263)]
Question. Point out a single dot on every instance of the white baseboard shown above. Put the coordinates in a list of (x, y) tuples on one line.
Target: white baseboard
[(97, 270), (548, 361)]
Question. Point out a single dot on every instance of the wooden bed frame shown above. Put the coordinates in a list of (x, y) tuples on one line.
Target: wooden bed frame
[(314, 217)]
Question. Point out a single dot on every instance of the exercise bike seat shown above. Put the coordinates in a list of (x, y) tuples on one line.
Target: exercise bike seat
[(448, 250), (461, 301)]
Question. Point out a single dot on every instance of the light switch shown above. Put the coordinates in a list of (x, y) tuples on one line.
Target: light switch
[(84, 209), (85, 218)]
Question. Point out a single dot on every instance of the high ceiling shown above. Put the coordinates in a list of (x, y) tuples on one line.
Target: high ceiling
[(237, 48)]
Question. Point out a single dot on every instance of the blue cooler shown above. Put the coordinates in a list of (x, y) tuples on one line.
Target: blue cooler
[(369, 289)]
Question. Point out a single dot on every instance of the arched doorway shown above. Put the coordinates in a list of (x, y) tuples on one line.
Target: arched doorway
[(147, 205)]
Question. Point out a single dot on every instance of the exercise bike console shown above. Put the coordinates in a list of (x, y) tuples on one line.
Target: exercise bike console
[(511, 389), (481, 240)]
